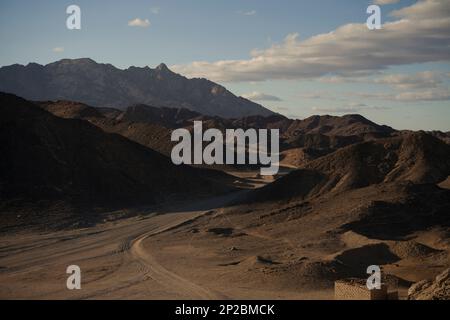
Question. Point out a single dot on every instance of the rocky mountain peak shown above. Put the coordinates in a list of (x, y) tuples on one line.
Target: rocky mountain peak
[(162, 67)]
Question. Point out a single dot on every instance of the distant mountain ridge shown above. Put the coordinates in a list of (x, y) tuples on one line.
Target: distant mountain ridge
[(103, 85), (151, 126)]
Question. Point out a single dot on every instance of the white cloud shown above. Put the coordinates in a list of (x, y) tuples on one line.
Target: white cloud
[(335, 79), (58, 49), (420, 80), (335, 110), (346, 79), (259, 96), (420, 34), (425, 95), (155, 10), (425, 9), (438, 94), (384, 2), (317, 95), (139, 23), (354, 107), (280, 109), (421, 86), (247, 13), (417, 87), (369, 95)]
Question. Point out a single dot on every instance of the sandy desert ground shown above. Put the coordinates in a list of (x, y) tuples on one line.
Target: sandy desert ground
[(118, 260), (202, 250)]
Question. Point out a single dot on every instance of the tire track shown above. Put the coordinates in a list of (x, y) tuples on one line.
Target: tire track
[(164, 277)]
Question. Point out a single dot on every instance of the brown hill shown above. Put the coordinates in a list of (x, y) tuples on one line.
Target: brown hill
[(347, 125), (301, 141), (148, 126), (166, 117), (316, 136), (70, 109), (444, 136), (416, 157), (153, 136), (48, 158)]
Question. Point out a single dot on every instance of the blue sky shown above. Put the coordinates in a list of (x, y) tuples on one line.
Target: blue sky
[(404, 92)]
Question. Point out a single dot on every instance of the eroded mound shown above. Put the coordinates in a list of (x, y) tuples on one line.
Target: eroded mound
[(362, 257), (419, 207), (320, 274), (412, 249)]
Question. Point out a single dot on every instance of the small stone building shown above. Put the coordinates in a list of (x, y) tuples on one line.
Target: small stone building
[(356, 289)]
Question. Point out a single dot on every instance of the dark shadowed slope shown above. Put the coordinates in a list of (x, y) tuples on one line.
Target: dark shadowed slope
[(48, 158), (103, 85), (149, 126)]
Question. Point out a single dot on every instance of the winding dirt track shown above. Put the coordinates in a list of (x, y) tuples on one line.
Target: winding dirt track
[(113, 258)]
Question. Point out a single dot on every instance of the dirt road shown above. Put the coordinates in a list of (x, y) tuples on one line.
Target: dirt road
[(113, 260)]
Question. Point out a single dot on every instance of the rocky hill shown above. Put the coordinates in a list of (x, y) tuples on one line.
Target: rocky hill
[(45, 157)]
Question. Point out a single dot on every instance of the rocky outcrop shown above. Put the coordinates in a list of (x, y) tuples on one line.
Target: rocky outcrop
[(439, 289)]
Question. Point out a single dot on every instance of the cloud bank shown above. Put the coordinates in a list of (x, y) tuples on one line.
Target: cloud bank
[(421, 33)]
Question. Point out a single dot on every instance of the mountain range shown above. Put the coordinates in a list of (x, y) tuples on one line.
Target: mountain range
[(151, 126), (103, 85)]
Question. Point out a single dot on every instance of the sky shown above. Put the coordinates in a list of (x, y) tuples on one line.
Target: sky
[(298, 57)]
